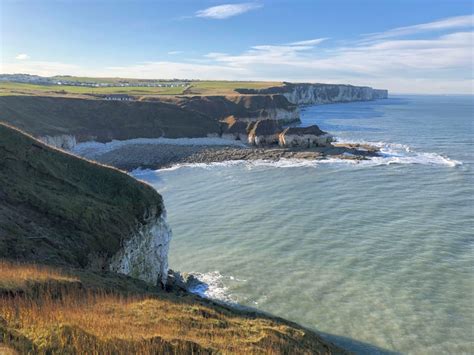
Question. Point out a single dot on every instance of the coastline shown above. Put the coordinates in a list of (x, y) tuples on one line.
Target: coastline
[(153, 155)]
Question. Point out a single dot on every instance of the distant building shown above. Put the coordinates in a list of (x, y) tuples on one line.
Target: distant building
[(119, 97)]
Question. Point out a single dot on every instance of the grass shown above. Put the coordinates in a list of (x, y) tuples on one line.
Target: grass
[(84, 319), (195, 88), (20, 275), (226, 87)]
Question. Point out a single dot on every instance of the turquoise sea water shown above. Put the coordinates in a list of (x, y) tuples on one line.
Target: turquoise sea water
[(377, 255)]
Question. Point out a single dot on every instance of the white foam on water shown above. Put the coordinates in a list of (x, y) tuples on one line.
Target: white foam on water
[(213, 286), (391, 153), (396, 153)]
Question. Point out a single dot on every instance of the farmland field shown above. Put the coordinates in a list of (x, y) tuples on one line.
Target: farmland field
[(194, 88)]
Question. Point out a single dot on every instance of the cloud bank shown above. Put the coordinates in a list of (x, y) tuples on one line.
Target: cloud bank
[(438, 61)]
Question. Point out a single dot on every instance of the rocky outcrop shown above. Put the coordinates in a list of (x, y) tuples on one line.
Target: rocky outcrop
[(264, 132), (311, 94), (304, 137), (236, 129)]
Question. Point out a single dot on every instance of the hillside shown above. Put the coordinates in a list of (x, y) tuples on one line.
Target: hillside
[(74, 215), (62, 210)]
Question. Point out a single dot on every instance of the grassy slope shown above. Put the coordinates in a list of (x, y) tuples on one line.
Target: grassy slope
[(103, 120), (56, 208)]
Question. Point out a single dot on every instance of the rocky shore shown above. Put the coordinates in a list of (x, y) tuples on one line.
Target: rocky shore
[(158, 156)]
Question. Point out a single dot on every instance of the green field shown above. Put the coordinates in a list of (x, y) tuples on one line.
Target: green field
[(195, 88), (9, 88), (227, 87)]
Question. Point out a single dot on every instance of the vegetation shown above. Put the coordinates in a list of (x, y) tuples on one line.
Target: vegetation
[(140, 92), (226, 87), (69, 314)]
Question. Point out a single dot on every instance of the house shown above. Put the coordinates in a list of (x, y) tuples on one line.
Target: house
[(119, 97)]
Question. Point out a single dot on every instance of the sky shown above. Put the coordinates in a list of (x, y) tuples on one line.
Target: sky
[(406, 46)]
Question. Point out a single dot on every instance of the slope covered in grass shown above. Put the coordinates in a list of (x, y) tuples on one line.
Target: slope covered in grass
[(59, 209)]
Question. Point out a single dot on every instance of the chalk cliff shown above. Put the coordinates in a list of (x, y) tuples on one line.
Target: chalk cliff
[(62, 210), (310, 94)]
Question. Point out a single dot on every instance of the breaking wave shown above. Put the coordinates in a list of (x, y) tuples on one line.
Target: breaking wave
[(212, 285)]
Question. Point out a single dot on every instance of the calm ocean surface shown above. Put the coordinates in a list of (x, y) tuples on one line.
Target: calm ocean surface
[(377, 255)]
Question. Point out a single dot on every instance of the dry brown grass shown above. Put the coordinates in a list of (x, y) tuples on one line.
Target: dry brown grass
[(82, 320), (20, 274)]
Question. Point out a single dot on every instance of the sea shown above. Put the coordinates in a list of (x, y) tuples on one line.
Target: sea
[(377, 255)]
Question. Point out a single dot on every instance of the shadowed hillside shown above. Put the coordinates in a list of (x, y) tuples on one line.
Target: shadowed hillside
[(103, 120)]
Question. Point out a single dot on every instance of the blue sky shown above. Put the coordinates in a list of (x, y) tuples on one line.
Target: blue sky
[(417, 46)]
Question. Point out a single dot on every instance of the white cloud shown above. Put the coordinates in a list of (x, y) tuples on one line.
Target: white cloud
[(22, 56), (457, 22), (221, 12), (174, 52), (310, 42)]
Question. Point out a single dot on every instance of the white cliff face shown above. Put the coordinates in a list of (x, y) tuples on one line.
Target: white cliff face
[(306, 94), (145, 254), (64, 141)]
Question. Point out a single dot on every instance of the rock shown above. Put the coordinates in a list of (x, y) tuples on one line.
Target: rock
[(264, 132), (182, 281), (144, 254), (236, 129), (305, 137)]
